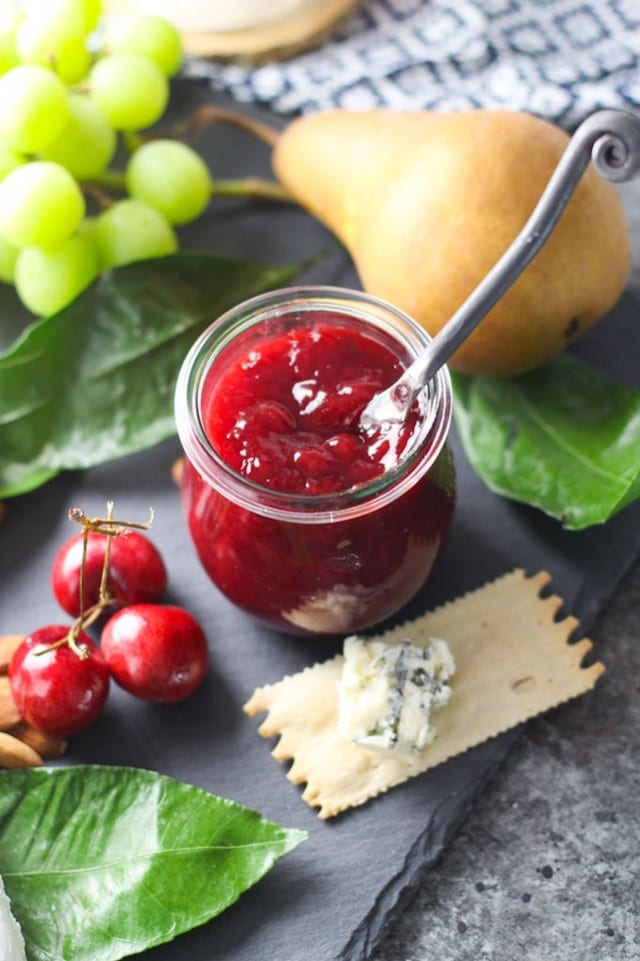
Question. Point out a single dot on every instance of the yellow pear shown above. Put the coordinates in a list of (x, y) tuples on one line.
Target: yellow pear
[(426, 203)]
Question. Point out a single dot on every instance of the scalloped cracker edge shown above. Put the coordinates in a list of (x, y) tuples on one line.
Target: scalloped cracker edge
[(514, 660)]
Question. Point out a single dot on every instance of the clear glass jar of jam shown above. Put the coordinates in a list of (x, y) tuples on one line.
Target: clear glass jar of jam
[(299, 516)]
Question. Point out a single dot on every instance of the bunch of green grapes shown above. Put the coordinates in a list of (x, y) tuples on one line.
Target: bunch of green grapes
[(70, 89)]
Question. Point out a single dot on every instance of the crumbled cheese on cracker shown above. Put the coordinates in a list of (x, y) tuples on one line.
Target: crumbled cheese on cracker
[(388, 691)]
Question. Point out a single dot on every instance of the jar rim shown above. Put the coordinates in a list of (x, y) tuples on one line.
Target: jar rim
[(351, 502)]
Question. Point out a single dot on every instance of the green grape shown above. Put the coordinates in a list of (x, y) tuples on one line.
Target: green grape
[(87, 230), (34, 108), (51, 40), (8, 54), (131, 230), (48, 280), (171, 177), (81, 15), (148, 36), (92, 10), (9, 20), (40, 205), (88, 142), (131, 91), (9, 160), (88, 12), (8, 258)]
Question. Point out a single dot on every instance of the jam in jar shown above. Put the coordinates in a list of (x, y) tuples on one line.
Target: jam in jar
[(299, 515)]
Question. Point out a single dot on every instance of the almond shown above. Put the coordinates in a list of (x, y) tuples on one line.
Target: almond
[(9, 716), (16, 754), (46, 745)]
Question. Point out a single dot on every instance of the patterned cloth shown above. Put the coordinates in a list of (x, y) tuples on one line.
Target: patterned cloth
[(559, 59)]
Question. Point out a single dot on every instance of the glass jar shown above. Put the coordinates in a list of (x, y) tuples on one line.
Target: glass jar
[(327, 563)]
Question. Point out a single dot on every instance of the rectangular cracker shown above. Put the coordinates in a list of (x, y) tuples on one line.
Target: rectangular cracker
[(514, 660)]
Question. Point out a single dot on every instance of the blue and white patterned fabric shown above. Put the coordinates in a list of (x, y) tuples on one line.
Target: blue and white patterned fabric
[(559, 59)]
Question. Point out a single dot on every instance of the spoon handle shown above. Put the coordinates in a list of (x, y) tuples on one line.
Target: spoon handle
[(611, 139)]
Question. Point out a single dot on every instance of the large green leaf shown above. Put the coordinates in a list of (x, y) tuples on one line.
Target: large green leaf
[(563, 438), (95, 381), (103, 862)]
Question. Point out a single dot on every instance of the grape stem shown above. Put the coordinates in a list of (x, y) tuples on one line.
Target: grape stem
[(96, 193), (107, 178), (131, 140), (256, 187), (202, 118)]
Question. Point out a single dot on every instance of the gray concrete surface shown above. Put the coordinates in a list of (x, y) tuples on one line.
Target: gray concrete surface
[(547, 866)]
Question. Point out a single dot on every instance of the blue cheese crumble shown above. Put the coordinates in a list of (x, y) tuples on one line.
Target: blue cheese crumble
[(387, 692)]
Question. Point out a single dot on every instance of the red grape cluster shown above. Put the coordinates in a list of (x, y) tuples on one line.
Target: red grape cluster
[(110, 574)]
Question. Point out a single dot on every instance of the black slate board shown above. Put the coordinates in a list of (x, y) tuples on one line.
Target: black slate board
[(331, 898)]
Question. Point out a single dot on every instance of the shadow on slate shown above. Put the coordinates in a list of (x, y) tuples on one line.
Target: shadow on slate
[(332, 897)]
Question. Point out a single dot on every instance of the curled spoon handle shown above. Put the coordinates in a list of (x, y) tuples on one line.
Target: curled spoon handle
[(611, 140)]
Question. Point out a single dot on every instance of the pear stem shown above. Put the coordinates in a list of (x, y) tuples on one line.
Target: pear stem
[(208, 114), (250, 187)]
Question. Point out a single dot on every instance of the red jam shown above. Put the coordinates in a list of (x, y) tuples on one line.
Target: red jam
[(286, 415), (331, 531)]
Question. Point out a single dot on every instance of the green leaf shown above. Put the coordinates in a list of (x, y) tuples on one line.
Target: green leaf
[(102, 862), (95, 381), (562, 438)]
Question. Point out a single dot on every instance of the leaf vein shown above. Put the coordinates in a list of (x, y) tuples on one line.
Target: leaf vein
[(143, 856), (563, 445)]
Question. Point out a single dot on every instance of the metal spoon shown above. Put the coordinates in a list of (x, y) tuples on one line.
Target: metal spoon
[(611, 139)]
